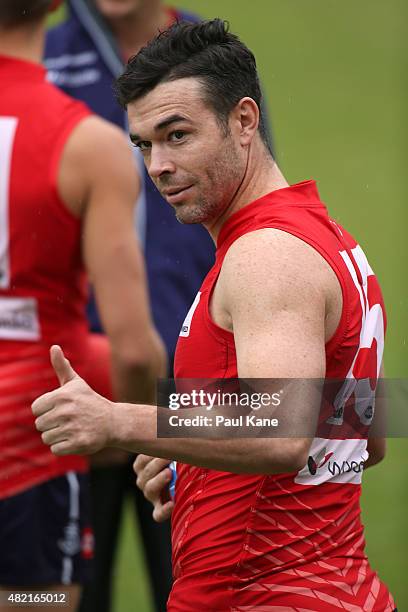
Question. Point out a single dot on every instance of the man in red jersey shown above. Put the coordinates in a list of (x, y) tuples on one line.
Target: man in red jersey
[(257, 523), (67, 188)]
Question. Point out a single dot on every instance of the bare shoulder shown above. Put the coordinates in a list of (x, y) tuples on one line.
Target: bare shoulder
[(276, 261), (94, 132), (270, 271), (96, 155)]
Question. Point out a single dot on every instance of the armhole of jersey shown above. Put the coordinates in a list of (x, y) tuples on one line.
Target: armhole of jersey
[(71, 122), (218, 333)]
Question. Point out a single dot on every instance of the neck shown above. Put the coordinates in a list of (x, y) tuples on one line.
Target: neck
[(135, 30), (261, 176), (25, 43)]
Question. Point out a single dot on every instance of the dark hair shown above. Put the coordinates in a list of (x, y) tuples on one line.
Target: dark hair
[(19, 12), (205, 50)]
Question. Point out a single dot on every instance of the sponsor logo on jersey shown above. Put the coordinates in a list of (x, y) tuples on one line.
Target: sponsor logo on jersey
[(314, 463), (73, 70), (71, 60), (74, 79), (339, 461), (345, 467), (19, 319)]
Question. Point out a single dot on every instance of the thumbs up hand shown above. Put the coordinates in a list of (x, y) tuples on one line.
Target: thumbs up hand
[(73, 419)]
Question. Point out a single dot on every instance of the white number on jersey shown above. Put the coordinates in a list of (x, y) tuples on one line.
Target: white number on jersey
[(371, 338), (8, 126)]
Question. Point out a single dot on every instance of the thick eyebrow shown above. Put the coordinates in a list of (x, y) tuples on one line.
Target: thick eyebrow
[(166, 122), (160, 126)]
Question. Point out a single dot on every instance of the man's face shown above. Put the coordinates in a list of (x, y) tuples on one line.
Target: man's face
[(118, 9), (195, 165)]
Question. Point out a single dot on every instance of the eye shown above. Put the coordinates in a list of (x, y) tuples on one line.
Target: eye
[(143, 145), (177, 135)]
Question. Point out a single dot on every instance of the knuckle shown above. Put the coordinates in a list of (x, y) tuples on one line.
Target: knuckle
[(150, 491), (62, 396), (157, 513), (137, 465), (157, 465), (58, 449), (144, 459), (46, 437)]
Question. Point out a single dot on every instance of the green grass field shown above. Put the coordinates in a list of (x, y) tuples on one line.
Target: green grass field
[(335, 80)]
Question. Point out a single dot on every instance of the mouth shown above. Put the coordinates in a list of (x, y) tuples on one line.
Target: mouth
[(175, 195)]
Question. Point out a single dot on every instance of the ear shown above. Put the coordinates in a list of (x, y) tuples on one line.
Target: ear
[(246, 116)]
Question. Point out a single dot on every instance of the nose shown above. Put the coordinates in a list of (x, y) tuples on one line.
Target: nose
[(160, 163)]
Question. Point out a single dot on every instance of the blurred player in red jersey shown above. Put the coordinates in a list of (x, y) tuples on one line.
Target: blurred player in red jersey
[(67, 192), (259, 523), (85, 54)]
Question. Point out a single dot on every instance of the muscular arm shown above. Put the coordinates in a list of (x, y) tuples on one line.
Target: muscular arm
[(273, 291), (98, 181)]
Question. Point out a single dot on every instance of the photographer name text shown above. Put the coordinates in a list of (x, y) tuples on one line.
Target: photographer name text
[(248, 420)]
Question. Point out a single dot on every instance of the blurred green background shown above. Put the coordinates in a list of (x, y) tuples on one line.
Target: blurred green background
[(334, 75)]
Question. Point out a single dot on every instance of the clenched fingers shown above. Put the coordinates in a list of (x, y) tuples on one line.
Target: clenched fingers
[(49, 420), (147, 468), (162, 512), (46, 402), (156, 488), (153, 478), (140, 463)]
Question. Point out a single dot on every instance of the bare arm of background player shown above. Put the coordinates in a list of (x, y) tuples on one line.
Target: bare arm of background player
[(98, 181)]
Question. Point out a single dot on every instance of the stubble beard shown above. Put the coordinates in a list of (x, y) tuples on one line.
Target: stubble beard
[(222, 179)]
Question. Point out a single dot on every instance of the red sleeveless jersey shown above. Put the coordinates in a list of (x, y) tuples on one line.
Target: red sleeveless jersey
[(43, 288), (285, 542)]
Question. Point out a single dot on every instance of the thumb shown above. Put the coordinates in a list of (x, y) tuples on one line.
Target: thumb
[(61, 365)]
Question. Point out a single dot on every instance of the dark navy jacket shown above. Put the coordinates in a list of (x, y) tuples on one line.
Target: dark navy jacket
[(83, 60)]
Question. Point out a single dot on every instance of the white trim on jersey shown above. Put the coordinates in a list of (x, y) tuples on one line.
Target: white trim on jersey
[(185, 328)]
